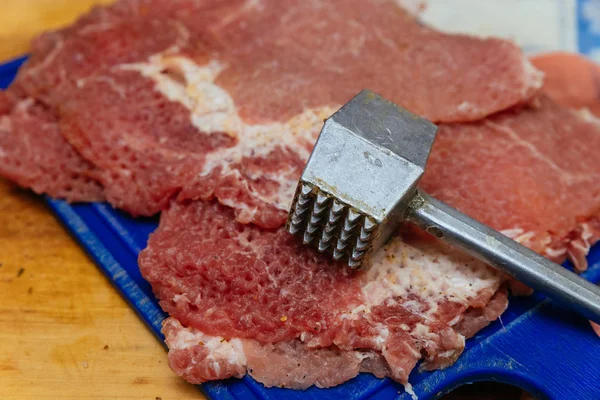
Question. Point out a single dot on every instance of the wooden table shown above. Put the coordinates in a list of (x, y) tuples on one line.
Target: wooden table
[(65, 332)]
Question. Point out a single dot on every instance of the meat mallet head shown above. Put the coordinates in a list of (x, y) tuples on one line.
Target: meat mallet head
[(363, 171)]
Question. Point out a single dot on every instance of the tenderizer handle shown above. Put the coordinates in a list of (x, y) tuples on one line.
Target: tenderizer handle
[(503, 253)]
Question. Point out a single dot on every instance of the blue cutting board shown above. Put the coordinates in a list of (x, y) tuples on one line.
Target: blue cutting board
[(551, 353)]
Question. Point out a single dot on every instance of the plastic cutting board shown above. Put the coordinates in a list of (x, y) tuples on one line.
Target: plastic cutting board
[(549, 352)]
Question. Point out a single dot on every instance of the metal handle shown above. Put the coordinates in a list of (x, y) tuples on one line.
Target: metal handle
[(503, 253)]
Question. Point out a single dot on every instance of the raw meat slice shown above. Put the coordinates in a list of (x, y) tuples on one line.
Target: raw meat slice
[(596, 328), (276, 61), (237, 76), (574, 81), (472, 167), (531, 173), (168, 152), (571, 80), (477, 318), (198, 357), (36, 156), (106, 37), (226, 279)]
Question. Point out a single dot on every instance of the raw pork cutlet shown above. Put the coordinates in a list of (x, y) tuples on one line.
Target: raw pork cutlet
[(573, 81), (227, 279), (239, 289), (532, 173), (237, 90), (36, 156)]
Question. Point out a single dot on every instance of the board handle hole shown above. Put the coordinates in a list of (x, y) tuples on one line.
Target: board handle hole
[(488, 391)]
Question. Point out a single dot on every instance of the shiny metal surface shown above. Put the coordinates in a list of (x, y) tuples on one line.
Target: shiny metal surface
[(365, 166), (503, 253), (360, 184)]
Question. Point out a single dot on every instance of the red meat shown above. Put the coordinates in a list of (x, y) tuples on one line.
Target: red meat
[(35, 155), (261, 71), (531, 173), (222, 278)]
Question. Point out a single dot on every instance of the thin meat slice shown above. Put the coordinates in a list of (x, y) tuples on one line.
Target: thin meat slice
[(108, 36), (199, 357), (596, 327), (242, 282), (475, 319), (359, 44), (277, 61), (571, 80), (226, 98), (236, 281), (531, 173), (150, 149), (34, 154), (574, 81)]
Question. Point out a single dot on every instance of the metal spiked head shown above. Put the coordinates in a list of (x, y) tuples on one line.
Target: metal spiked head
[(364, 168)]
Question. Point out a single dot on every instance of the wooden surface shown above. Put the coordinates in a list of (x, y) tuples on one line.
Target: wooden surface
[(65, 333)]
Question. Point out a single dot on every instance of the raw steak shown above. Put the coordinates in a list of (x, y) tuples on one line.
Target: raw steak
[(199, 357), (36, 156), (241, 88), (293, 364), (241, 282), (571, 80), (276, 49), (262, 291), (531, 173)]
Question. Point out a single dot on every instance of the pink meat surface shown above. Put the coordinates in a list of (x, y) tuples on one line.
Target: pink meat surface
[(238, 281), (34, 154), (293, 364), (195, 100), (573, 80), (276, 48), (596, 328), (231, 77), (234, 281), (530, 173)]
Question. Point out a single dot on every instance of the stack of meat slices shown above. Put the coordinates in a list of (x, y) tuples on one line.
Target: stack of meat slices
[(207, 111)]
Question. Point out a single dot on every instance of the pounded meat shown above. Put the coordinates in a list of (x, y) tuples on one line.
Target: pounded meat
[(199, 357), (36, 156), (231, 280), (107, 37), (475, 319), (571, 80), (596, 327), (292, 364), (531, 173), (233, 273), (473, 168), (194, 100), (250, 83), (161, 152), (275, 48)]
